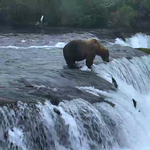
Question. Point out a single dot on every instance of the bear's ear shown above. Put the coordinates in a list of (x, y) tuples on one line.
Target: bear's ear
[(94, 41), (106, 49)]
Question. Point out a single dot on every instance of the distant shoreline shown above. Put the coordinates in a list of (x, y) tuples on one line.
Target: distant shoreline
[(36, 29)]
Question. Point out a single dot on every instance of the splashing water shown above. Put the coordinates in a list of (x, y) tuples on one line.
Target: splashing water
[(139, 40)]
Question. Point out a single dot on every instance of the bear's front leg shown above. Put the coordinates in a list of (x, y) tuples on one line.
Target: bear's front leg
[(89, 60)]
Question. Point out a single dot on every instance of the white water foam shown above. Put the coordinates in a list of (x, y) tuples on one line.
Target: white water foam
[(139, 40), (15, 136), (58, 45), (23, 41), (85, 68), (49, 117)]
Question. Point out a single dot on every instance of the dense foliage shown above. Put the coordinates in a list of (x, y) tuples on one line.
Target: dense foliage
[(74, 13)]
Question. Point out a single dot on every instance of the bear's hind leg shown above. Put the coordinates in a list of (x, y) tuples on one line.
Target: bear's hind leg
[(70, 63)]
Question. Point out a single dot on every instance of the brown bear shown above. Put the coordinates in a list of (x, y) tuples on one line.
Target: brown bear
[(78, 50)]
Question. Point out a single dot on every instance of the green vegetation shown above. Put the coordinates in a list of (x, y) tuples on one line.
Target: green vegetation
[(146, 50), (127, 16), (74, 13)]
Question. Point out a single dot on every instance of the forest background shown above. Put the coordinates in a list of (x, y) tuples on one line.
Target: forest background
[(75, 13)]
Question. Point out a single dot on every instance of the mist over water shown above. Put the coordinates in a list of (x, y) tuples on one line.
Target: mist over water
[(75, 124)]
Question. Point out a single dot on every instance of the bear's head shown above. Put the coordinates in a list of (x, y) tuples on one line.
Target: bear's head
[(100, 49), (105, 54)]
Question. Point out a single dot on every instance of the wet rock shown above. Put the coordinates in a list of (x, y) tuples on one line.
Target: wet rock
[(25, 82), (4, 101), (110, 103), (118, 34)]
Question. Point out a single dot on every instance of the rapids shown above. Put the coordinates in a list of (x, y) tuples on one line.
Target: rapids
[(46, 106)]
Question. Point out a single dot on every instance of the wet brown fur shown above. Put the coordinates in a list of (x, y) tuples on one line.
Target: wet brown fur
[(78, 50)]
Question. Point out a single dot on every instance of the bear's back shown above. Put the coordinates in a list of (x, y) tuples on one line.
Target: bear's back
[(77, 48)]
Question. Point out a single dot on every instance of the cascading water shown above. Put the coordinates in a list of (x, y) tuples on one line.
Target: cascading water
[(78, 124), (132, 77), (81, 125), (135, 72), (139, 40)]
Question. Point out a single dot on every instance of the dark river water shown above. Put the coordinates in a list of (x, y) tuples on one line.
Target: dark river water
[(45, 105)]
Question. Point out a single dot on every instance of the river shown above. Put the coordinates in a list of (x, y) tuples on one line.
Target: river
[(46, 106)]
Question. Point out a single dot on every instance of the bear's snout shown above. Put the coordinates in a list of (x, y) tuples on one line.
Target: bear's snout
[(104, 58), (107, 60)]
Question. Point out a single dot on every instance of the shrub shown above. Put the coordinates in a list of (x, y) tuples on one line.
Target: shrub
[(75, 13), (127, 16), (146, 4), (124, 17)]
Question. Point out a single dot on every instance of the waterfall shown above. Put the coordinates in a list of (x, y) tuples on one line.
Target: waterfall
[(78, 124), (134, 72), (138, 40), (133, 79)]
